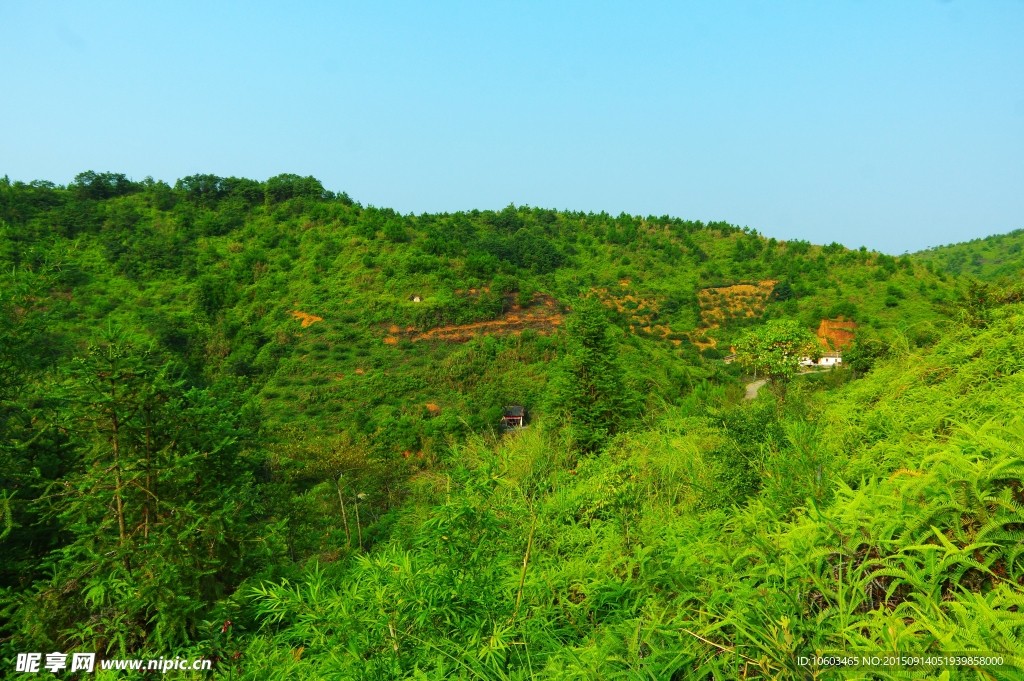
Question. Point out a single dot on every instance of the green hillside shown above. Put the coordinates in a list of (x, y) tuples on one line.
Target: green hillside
[(882, 514), (988, 259), (224, 273), (259, 422)]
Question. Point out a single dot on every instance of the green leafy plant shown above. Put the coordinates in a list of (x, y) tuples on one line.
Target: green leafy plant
[(776, 349)]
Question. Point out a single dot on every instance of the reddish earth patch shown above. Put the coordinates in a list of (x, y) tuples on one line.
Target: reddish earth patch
[(543, 317), (836, 334), (307, 319), (433, 408)]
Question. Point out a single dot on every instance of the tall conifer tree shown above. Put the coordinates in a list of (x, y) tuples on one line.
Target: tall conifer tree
[(589, 390)]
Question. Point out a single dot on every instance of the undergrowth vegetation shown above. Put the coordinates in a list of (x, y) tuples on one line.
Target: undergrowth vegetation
[(259, 422), (885, 514)]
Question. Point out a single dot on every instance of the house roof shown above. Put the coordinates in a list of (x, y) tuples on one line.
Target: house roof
[(513, 412)]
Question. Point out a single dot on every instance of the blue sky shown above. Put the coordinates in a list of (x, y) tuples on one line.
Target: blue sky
[(896, 125)]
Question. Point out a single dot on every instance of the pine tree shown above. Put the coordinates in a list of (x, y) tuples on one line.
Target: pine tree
[(589, 391)]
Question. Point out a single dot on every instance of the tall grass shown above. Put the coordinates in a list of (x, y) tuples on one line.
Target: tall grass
[(887, 516)]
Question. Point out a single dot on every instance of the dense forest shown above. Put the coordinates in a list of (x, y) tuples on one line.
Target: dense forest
[(260, 422)]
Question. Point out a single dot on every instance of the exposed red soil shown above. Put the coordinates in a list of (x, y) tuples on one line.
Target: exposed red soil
[(543, 316), (836, 334), (307, 319)]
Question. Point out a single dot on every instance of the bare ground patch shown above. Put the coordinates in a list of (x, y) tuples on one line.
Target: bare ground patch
[(544, 316)]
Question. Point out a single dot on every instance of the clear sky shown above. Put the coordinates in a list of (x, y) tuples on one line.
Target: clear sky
[(896, 125)]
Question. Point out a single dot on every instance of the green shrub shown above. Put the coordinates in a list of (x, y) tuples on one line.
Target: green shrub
[(843, 309)]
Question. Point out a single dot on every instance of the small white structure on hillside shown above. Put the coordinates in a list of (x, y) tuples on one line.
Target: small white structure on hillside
[(828, 359)]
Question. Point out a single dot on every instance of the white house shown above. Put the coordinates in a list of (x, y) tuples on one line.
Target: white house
[(828, 359)]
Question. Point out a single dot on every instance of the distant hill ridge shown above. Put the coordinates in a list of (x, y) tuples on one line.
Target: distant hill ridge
[(987, 259)]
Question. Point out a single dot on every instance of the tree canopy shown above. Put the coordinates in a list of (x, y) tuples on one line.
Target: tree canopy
[(776, 349), (589, 389)]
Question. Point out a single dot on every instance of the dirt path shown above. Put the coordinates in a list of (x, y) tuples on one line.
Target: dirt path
[(752, 389)]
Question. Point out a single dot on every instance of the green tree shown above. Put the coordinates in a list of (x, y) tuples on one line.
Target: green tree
[(782, 291), (843, 309), (775, 349), (21, 327), (155, 505), (288, 185), (394, 231), (25, 351), (589, 389)]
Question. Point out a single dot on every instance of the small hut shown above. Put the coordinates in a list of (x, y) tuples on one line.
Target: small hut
[(512, 417)]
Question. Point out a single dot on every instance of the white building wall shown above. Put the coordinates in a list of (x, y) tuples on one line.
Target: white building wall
[(824, 361)]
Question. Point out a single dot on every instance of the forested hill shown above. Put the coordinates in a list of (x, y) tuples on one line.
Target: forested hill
[(258, 422), (988, 259), (310, 298)]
